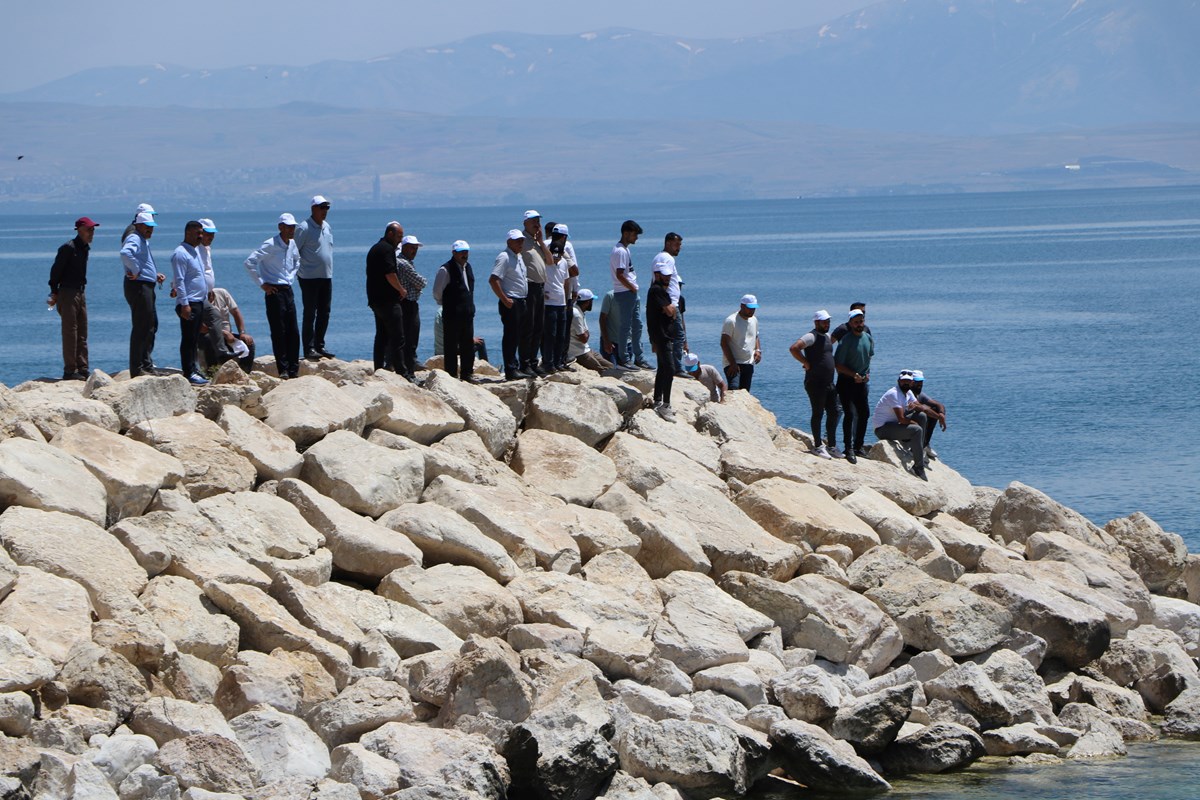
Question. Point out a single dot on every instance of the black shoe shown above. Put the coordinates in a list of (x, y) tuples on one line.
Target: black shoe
[(323, 353), (513, 375), (642, 363), (311, 355), (850, 456), (920, 473), (861, 451), (74, 376)]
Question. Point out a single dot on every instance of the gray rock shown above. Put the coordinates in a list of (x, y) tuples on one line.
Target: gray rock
[(814, 758), (207, 761), (938, 748), (1018, 740), (98, 677), (280, 746), (363, 706), (164, 719), (1183, 715), (1022, 511), (809, 694), (969, 685), (871, 722), (71, 728), (486, 678), (1100, 740), (431, 756), (698, 758), (1158, 557)]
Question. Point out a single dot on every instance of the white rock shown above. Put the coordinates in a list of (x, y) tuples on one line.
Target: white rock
[(667, 543), (361, 707), (441, 757), (280, 746), (1100, 740), (809, 693), (962, 542), (701, 626), (52, 613), (21, 667), (310, 608), (576, 411), (147, 783), (269, 533), (1023, 510), (1109, 575), (120, 755), (894, 525), (273, 455), (563, 466), (147, 398), (409, 631), (683, 439), (482, 411), (37, 475), (1158, 557), (735, 680), (416, 413), (463, 599), (210, 465), (374, 776), (569, 602), (309, 407), (165, 718), (442, 536), (803, 514), (190, 620), (593, 530), (644, 465), (194, 548), (209, 762), (697, 758), (363, 477)]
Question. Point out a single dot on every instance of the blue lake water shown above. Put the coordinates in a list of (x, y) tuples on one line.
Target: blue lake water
[(1060, 329)]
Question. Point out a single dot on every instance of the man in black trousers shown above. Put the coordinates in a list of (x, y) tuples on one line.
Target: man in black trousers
[(454, 291), (384, 295)]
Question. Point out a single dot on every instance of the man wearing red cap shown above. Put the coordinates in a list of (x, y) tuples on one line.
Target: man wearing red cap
[(68, 277)]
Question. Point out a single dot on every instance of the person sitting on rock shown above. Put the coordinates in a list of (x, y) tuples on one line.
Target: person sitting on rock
[(218, 342), (896, 420), (935, 412), (578, 350)]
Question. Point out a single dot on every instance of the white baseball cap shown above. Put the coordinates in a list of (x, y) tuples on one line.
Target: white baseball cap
[(208, 225), (410, 240), (749, 301), (691, 362), (858, 312), (820, 315), (663, 268), (460, 246), (918, 376), (286, 219), (585, 295), (560, 228), (145, 208), (319, 200), (531, 214), (145, 218), (516, 233)]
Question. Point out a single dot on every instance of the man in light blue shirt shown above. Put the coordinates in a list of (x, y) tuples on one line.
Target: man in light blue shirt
[(508, 280), (141, 278), (191, 288), (273, 267), (314, 243)]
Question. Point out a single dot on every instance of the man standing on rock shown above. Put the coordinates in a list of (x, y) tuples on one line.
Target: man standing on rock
[(852, 359), (413, 282), (536, 256), (273, 267), (385, 296), (187, 276), (314, 244), (896, 419), (660, 327), (68, 277), (672, 244), (141, 279), (935, 412), (454, 291), (511, 286), (814, 351), (741, 349), (628, 341)]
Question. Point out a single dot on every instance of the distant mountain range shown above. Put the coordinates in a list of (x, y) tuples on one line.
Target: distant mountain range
[(927, 66)]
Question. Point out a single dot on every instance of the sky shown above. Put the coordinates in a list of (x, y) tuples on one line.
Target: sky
[(42, 40)]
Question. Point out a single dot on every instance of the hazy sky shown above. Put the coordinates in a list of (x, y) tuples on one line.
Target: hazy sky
[(41, 40)]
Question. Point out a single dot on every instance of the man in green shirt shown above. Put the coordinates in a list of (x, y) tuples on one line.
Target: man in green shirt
[(853, 363)]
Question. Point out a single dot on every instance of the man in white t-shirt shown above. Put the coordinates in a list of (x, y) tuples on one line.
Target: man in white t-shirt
[(579, 350), (672, 243), (895, 420), (625, 298), (741, 348), (219, 343)]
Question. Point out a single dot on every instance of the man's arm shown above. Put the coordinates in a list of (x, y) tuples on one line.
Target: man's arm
[(797, 350), (61, 262), (236, 313), (128, 248), (726, 349), (178, 275), (604, 343), (394, 280), (440, 280), (757, 349), (494, 282)]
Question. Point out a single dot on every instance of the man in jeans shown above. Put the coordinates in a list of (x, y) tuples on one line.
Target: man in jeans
[(314, 244), (741, 349), (273, 267), (897, 419), (68, 277), (511, 286), (814, 351), (852, 359), (625, 297)]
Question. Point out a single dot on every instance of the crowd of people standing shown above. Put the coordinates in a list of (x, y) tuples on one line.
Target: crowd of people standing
[(541, 305)]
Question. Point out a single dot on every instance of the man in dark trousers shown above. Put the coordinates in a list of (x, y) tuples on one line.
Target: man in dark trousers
[(454, 291), (660, 329), (852, 359), (814, 351), (413, 283), (509, 282), (935, 411), (273, 267), (384, 295), (191, 290), (68, 277), (141, 279)]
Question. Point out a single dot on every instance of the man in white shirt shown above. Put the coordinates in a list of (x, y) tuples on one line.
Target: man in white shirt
[(741, 348), (895, 419), (220, 343), (273, 267), (579, 351), (672, 244), (625, 297)]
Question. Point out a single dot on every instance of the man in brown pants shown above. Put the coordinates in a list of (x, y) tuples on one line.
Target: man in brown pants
[(68, 277)]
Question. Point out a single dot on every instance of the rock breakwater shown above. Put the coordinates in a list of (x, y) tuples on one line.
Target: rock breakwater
[(348, 587)]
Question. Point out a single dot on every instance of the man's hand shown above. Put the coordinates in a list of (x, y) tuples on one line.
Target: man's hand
[(161, 278), (268, 289), (247, 338), (731, 370), (508, 301), (757, 355), (185, 311), (584, 336)]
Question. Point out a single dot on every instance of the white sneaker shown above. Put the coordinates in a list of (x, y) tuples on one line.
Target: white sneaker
[(833, 451), (820, 451), (665, 411)]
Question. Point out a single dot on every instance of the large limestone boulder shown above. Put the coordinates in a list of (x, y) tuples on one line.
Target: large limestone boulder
[(963, 543), (416, 413), (937, 748), (21, 666), (702, 626), (269, 533), (895, 526), (1075, 633), (813, 757), (739, 419), (50, 407), (434, 758), (1179, 617), (409, 631), (272, 454), (731, 540), (562, 465), (166, 718), (361, 707), (699, 758), (280, 746), (307, 408), (130, 472), (686, 441), (361, 476), (644, 465), (957, 490), (1158, 557), (667, 542), (37, 475), (817, 613), (483, 412), (628, 398), (955, 621), (207, 762), (211, 465), (462, 598), (147, 397), (187, 545), (1183, 715), (52, 613), (15, 421), (1108, 575), (593, 530), (570, 602), (443, 537), (511, 517), (576, 411), (74, 548), (1022, 511), (805, 515), (190, 620)]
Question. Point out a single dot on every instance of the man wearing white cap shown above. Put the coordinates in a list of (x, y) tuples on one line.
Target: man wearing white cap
[(935, 412), (672, 244), (314, 243), (143, 208), (579, 350), (660, 319), (896, 419), (141, 278), (454, 290), (708, 375), (273, 267), (852, 360), (208, 233), (741, 348), (536, 256), (564, 256), (385, 295), (510, 285), (413, 283), (814, 351)]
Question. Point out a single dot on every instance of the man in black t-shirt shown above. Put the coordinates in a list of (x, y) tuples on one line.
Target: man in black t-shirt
[(814, 351), (844, 328), (660, 327), (384, 294)]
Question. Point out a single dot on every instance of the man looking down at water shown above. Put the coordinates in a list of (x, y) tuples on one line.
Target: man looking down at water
[(579, 350), (68, 277), (273, 267), (708, 375), (935, 412), (814, 351), (741, 348), (219, 342), (852, 359), (897, 420), (141, 278)]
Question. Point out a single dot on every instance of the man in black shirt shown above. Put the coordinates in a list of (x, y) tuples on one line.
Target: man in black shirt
[(660, 328), (844, 328), (384, 294), (68, 277), (454, 291), (814, 351)]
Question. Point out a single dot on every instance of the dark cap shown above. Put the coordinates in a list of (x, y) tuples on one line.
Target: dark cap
[(85, 222)]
